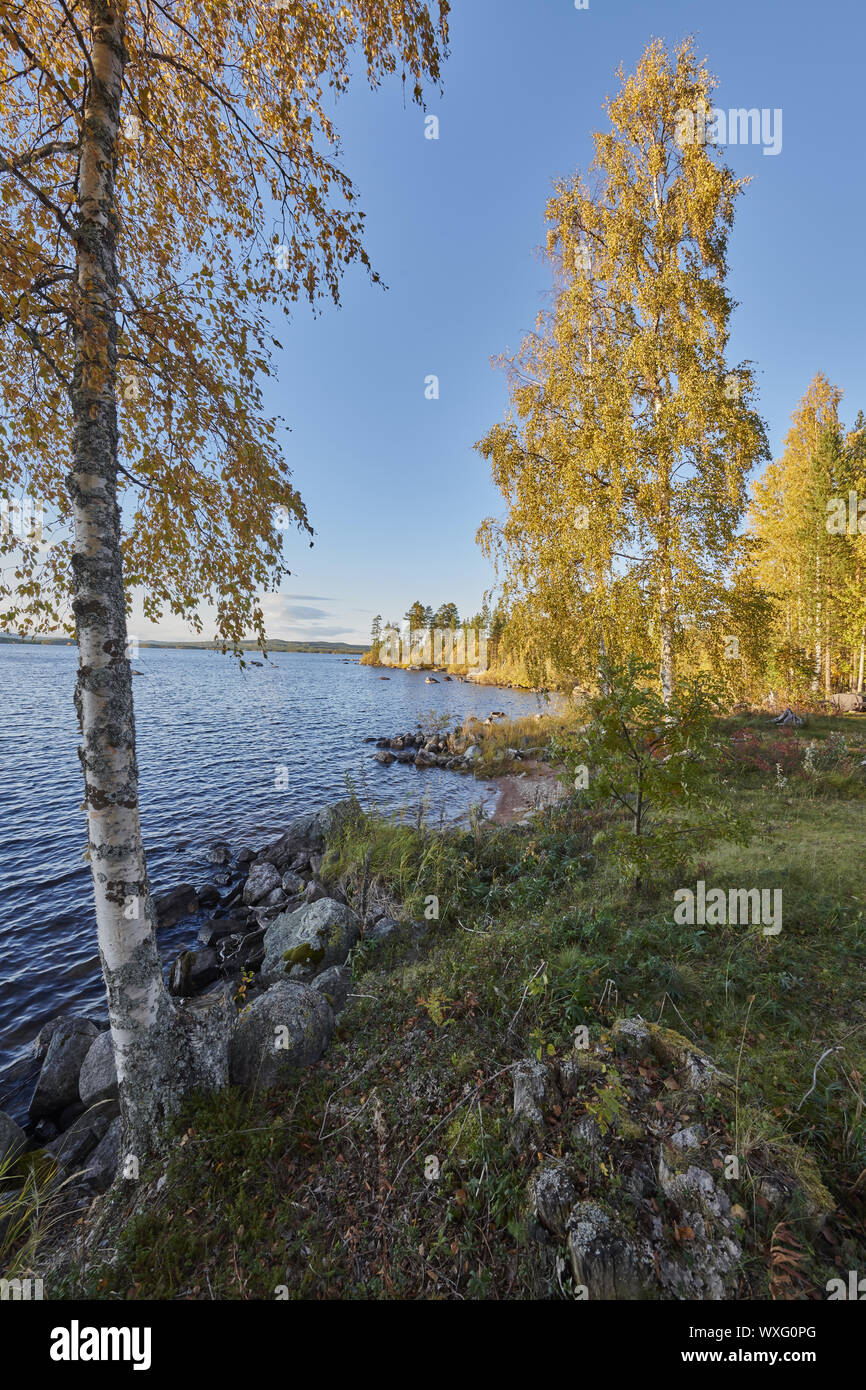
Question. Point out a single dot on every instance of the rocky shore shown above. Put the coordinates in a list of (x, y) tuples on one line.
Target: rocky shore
[(276, 943), (456, 750)]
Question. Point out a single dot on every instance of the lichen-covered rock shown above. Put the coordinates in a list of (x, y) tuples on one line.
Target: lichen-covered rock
[(57, 1086), (691, 1187), (283, 1030), (606, 1260), (633, 1036), (97, 1080), (314, 937), (263, 879)]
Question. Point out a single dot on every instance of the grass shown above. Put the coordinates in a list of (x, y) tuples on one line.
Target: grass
[(389, 1171)]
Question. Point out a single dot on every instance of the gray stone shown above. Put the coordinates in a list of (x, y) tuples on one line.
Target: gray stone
[(336, 985), (263, 879), (40, 1044), (218, 853), (193, 971), (208, 895), (276, 898), (217, 930), (13, 1140), (97, 1080), (73, 1146), (105, 1159), (632, 1036), (281, 1031), (57, 1086), (688, 1138), (692, 1188), (307, 834), (327, 928), (177, 903), (292, 884), (383, 930)]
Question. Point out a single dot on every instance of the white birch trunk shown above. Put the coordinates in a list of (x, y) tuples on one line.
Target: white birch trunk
[(156, 1048)]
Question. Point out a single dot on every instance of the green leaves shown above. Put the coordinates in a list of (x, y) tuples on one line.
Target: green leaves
[(653, 766)]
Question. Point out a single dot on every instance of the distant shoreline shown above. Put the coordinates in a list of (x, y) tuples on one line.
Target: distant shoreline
[(320, 648)]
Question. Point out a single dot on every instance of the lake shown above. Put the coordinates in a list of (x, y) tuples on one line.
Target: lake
[(210, 740)]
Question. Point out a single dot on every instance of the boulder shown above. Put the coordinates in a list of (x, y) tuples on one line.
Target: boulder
[(320, 934), (263, 879), (218, 853), (73, 1146), (383, 930), (40, 1044), (220, 927), (177, 903), (308, 834), (243, 952), (13, 1140), (276, 898), (386, 759), (245, 856), (104, 1161), (97, 1080), (336, 985), (208, 895), (57, 1086), (292, 884), (193, 971), (233, 897), (281, 1031)]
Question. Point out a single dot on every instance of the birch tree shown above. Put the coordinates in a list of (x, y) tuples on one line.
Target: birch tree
[(171, 179), (788, 517), (625, 454)]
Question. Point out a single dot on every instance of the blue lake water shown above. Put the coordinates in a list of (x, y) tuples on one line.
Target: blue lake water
[(210, 738)]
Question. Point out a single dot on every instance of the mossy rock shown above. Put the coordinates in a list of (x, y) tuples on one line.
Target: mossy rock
[(305, 954)]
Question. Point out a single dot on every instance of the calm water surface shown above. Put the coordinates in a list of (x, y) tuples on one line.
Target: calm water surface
[(210, 737)]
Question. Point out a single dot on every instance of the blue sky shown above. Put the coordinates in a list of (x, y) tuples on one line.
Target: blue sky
[(391, 481)]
